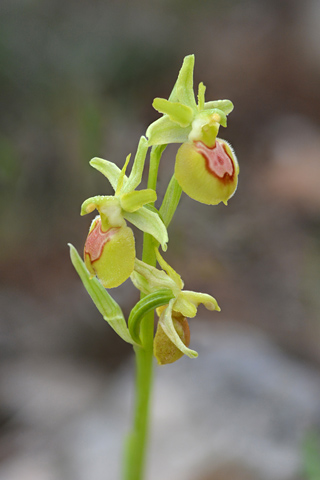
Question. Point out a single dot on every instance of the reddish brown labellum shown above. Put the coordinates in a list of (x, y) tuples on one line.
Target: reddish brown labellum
[(218, 162)]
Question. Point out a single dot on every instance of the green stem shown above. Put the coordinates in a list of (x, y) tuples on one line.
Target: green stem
[(138, 438)]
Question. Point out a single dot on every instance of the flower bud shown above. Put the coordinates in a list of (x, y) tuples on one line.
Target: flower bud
[(164, 349), (208, 175), (109, 253)]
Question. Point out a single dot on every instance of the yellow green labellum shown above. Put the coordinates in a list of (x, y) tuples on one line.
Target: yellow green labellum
[(110, 254), (208, 175)]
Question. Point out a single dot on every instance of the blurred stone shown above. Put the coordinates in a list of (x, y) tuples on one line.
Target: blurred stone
[(293, 174)]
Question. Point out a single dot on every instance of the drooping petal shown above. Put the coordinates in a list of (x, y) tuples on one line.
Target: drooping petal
[(149, 222), (208, 175), (168, 327), (132, 201), (110, 254), (106, 305)]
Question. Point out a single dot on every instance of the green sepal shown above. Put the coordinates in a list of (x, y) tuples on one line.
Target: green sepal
[(183, 89), (109, 170), (149, 279), (168, 328), (177, 112), (106, 305), (149, 222), (145, 305), (164, 131), (132, 201), (225, 105)]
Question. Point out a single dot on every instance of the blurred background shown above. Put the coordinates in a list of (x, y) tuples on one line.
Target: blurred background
[(77, 80)]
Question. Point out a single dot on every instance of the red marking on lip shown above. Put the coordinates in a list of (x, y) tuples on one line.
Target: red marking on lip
[(218, 161), (97, 239)]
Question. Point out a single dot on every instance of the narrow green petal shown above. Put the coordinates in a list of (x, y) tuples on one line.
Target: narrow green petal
[(183, 90), (196, 298), (168, 328), (108, 169), (201, 92), (164, 131), (149, 222), (149, 279), (122, 175), (137, 168), (132, 201), (177, 112), (225, 105), (108, 307), (145, 305)]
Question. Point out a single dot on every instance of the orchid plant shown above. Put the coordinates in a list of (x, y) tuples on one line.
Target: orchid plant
[(206, 169)]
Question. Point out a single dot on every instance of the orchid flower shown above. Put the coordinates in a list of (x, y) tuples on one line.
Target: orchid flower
[(206, 167), (109, 250), (172, 337)]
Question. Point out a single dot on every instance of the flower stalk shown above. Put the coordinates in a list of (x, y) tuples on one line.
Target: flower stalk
[(206, 169)]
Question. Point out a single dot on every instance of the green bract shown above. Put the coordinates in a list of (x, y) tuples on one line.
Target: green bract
[(108, 307), (109, 250)]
